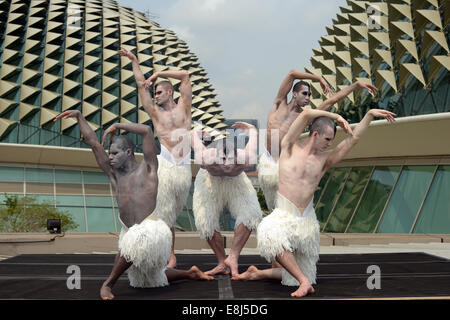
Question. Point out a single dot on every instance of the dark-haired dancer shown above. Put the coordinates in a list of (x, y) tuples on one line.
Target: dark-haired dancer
[(290, 234), (221, 182), (145, 240), (172, 122), (280, 118)]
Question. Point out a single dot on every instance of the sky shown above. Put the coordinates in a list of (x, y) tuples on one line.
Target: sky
[(246, 47)]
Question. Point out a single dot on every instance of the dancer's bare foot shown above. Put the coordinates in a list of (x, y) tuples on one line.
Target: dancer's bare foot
[(252, 273), (304, 289), (172, 261), (197, 274), (232, 263), (106, 293), (220, 269)]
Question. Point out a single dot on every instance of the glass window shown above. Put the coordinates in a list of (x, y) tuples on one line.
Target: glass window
[(77, 215), (11, 187), (406, 199), (95, 177), (183, 221), (69, 188), (435, 214), (98, 201), (100, 219), (374, 199), (97, 188), (68, 176), (320, 187), (348, 200), (41, 198), (38, 175), (11, 174), (76, 201), (330, 195), (38, 187)]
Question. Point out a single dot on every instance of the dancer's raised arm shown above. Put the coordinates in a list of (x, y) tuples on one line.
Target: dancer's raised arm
[(144, 94), (347, 144), (91, 139)]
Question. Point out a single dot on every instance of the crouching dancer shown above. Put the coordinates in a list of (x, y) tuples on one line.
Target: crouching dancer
[(290, 234), (221, 182), (145, 241)]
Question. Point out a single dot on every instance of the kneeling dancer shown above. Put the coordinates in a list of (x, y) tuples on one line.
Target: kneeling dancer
[(291, 235), (145, 241)]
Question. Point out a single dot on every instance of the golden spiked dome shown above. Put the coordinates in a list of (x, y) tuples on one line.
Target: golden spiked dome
[(62, 54), (400, 46)]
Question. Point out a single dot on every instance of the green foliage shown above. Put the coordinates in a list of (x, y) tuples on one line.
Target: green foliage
[(25, 215), (262, 201)]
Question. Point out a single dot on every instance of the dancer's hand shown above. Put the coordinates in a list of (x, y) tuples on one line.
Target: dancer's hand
[(372, 89), (124, 52), (389, 116), (244, 126), (151, 81), (112, 131), (344, 125), (325, 87), (68, 114)]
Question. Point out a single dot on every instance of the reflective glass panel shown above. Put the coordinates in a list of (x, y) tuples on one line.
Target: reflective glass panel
[(95, 177), (78, 216), (100, 219), (374, 199), (11, 174), (435, 214), (67, 176), (38, 175), (330, 195), (348, 200), (406, 199)]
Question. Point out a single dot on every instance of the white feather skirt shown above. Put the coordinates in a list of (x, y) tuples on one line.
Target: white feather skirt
[(212, 194), (268, 178), (174, 183), (285, 229), (147, 245)]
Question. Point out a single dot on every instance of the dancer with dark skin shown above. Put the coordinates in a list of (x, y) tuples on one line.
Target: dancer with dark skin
[(172, 123), (136, 186)]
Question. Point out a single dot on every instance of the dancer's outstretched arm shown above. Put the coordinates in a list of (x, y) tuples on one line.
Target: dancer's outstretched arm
[(347, 144), (338, 96), (144, 94), (91, 139)]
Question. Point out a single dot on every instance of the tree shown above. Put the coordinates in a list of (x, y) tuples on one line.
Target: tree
[(24, 214)]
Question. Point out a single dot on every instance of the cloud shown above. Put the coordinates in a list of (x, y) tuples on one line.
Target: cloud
[(247, 47)]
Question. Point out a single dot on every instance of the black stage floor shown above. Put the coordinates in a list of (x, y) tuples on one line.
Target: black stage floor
[(340, 276)]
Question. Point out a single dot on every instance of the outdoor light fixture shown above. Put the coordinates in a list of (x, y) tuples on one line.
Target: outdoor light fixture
[(54, 225)]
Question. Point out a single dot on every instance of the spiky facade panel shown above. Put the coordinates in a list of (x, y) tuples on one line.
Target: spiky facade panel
[(62, 54), (400, 46)]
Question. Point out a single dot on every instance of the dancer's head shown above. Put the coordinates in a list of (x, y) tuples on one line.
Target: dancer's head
[(163, 92), (121, 150), (301, 93), (323, 130)]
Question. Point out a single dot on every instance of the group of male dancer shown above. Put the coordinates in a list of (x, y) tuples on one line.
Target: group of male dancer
[(150, 194)]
